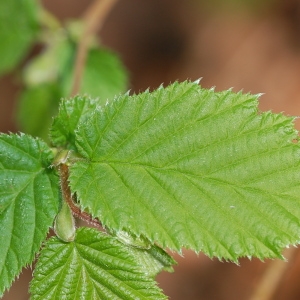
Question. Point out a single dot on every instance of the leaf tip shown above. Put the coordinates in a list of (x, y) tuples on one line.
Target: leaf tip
[(197, 81)]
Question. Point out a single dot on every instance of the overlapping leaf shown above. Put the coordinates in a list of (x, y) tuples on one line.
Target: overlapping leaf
[(153, 260), (28, 202), (71, 112), (150, 257), (190, 167), (94, 266)]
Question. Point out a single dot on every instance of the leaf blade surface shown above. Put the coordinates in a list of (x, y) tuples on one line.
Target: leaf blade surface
[(190, 167), (29, 199), (94, 266)]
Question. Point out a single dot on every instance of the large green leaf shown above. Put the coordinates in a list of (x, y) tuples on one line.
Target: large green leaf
[(190, 167), (18, 27), (94, 266), (28, 202)]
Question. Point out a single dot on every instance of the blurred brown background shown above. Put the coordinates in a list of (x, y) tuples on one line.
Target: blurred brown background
[(248, 45)]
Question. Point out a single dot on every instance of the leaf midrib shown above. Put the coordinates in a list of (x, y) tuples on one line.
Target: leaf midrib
[(207, 175), (85, 261)]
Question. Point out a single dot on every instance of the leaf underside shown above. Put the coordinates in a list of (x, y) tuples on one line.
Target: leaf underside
[(94, 266), (28, 202), (194, 168)]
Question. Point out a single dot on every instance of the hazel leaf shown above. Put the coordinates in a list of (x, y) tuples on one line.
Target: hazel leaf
[(29, 200), (93, 266), (188, 167)]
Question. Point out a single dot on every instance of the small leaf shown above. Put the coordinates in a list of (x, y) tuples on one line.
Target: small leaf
[(29, 198), (190, 167), (18, 27), (151, 258), (131, 240), (71, 112), (94, 266)]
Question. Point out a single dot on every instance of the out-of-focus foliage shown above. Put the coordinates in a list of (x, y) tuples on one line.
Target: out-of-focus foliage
[(49, 76), (18, 28), (254, 5)]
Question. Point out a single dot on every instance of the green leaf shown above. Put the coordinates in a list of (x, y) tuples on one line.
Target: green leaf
[(18, 27), (103, 76), (94, 266), (71, 112), (151, 258), (36, 108), (190, 167), (29, 198)]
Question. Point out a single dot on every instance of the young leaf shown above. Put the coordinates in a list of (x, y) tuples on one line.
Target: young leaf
[(151, 258), (71, 112), (19, 25), (94, 266), (190, 167), (28, 202)]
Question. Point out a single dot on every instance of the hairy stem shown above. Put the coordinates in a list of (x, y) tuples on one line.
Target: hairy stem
[(67, 196), (93, 18)]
